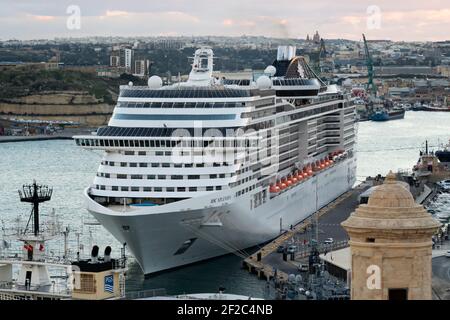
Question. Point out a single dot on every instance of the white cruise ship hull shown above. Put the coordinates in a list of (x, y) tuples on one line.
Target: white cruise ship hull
[(219, 223)]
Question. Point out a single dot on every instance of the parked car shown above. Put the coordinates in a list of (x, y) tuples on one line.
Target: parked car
[(292, 249), (329, 241), (444, 184), (281, 249), (303, 267), (447, 254)]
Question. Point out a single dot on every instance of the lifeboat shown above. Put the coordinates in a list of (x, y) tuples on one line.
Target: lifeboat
[(283, 186), (274, 188), (289, 182), (321, 165)]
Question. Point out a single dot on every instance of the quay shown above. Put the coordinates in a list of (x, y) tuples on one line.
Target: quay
[(66, 134), (268, 264)]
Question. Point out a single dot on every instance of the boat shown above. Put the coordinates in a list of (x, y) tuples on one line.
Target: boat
[(385, 115), (444, 155), (28, 272), (438, 108), (417, 107), (206, 167)]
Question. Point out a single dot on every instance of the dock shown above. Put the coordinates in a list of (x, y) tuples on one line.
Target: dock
[(268, 264), (66, 134)]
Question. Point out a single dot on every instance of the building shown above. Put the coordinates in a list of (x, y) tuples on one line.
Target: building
[(128, 58), (316, 37), (114, 61), (122, 57), (390, 242), (141, 67)]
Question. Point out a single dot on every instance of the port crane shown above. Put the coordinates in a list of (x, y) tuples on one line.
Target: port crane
[(371, 87)]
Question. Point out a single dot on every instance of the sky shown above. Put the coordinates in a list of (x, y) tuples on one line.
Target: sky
[(397, 20)]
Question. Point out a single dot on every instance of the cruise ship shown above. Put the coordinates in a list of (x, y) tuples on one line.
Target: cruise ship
[(201, 168)]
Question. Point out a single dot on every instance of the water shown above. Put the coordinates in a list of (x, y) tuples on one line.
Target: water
[(382, 146)]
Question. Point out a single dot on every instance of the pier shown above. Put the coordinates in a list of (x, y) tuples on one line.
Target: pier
[(269, 264), (66, 134)]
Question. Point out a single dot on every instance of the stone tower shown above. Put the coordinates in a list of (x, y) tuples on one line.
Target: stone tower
[(390, 241)]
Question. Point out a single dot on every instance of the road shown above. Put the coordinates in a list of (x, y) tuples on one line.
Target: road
[(329, 227), (441, 278)]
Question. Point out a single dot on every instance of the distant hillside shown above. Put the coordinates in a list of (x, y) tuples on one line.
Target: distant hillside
[(26, 81)]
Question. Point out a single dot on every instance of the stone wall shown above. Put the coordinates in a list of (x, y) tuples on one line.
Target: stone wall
[(70, 106)]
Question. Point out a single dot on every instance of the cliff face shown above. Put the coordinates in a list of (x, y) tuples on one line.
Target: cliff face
[(69, 106)]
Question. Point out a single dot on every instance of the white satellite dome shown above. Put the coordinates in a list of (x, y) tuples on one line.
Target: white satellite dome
[(270, 70), (154, 82), (130, 84), (264, 82)]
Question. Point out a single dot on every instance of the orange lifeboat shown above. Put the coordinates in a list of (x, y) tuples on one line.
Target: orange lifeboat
[(273, 188), (289, 181), (294, 179)]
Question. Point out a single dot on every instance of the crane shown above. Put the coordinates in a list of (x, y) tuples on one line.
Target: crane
[(371, 87)]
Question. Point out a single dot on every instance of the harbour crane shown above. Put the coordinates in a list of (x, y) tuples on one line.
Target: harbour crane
[(371, 87)]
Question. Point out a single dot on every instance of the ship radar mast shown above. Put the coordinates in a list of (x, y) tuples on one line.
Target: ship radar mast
[(35, 194), (202, 68)]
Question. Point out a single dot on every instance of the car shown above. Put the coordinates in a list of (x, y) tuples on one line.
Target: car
[(281, 249), (292, 249), (303, 267), (447, 254), (328, 241), (445, 184)]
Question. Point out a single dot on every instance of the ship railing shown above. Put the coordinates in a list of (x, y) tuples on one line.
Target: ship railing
[(146, 294), (58, 288), (6, 285), (120, 263), (322, 248)]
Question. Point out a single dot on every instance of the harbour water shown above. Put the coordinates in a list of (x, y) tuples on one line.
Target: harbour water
[(382, 146)]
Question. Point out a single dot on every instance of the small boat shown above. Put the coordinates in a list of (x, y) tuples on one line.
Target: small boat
[(385, 115), (417, 107), (436, 108), (444, 154)]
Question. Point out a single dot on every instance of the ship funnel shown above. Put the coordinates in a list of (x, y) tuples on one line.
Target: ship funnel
[(94, 254), (286, 53), (107, 254)]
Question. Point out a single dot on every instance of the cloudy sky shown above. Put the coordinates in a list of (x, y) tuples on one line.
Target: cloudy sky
[(388, 19)]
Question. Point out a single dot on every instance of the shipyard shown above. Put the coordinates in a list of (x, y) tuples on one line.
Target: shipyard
[(243, 159)]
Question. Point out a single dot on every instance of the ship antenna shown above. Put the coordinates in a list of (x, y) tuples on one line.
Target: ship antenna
[(35, 194)]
